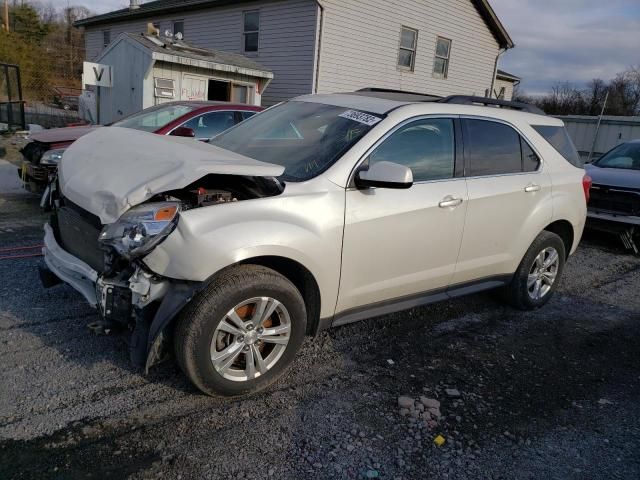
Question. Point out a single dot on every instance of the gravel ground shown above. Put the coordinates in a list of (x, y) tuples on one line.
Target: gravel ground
[(547, 394)]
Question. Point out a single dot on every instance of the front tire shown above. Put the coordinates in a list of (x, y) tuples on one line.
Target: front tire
[(242, 332), (538, 274)]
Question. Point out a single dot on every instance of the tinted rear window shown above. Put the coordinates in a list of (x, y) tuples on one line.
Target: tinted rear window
[(560, 140), (491, 148)]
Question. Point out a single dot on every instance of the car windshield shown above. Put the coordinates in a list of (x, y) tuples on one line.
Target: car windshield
[(304, 137), (153, 118), (626, 156)]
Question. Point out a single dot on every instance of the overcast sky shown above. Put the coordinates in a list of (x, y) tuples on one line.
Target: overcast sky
[(556, 40)]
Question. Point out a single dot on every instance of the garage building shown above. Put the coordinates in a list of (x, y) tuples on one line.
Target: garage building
[(149, 69)]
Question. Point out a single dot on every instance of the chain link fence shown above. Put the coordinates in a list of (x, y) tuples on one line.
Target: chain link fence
[(51, 103)]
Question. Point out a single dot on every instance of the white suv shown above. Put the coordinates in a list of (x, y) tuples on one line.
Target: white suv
[(317, 212)]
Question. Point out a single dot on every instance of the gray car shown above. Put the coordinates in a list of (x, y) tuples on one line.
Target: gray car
[(614, 204)]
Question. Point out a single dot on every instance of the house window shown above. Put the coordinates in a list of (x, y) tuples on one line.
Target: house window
[(441, 62), (178, 27), (407, 52), (250, 31), (106, 37)]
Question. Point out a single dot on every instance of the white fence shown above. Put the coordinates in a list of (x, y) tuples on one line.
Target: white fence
[(613, 131)]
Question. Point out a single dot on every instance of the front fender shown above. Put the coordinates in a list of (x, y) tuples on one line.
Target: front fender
[(304, 224)]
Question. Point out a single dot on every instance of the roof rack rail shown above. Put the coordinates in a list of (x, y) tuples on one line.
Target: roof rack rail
[(470, 100), (397, 95)]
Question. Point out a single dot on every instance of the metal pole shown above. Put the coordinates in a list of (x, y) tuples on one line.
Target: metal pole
[(23, 118), (9, 97), (595, 136), (98, 106)]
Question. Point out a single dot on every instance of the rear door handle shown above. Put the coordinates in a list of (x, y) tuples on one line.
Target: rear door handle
[(449, 201), (532, 187)]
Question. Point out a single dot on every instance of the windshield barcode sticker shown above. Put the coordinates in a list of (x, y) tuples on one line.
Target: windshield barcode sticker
[(360, 117)]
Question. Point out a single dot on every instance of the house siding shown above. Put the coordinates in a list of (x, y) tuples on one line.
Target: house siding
[(287, 39), (508, 88), (360, 41)]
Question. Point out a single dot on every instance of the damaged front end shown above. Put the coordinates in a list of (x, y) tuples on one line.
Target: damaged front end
[(97, 240), (104, 262), (119, 194)]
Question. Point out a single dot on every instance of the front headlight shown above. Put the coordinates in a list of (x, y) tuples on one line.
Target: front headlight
[(52, 157), (140, 229)]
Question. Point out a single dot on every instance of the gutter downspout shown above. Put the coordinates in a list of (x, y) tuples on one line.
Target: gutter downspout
[(495, 70), (320, 29)]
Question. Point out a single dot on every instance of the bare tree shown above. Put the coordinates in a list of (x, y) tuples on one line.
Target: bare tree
[(594, 96)]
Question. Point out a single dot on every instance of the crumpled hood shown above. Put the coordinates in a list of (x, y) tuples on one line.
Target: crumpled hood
[(614, 177), (112, 169)]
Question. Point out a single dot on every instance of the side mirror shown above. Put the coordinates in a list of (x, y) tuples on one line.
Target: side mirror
[(183, 132), (385, 175)]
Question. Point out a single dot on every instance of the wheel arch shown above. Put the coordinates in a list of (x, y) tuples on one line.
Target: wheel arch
[(564, 230), (302, 279)]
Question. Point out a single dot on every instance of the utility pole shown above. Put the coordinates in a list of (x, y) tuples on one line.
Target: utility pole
[(595, 136), (5, 15)]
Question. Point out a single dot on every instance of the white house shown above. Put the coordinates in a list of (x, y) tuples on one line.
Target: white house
[(439, 47)]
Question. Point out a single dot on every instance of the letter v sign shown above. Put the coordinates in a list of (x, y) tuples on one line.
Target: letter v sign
[(98, 75)]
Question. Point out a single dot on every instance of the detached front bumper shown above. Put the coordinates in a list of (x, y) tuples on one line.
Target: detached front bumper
[(149, 302), (68, 268)]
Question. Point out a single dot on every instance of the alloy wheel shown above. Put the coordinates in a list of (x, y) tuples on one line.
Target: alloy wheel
[(250, 339), (543, 273)]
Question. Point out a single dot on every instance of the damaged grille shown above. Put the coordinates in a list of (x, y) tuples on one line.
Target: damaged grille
[(33, 151), (615, 200), (77, 232)]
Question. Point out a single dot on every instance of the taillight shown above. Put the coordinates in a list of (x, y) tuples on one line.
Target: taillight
[(586, 186)]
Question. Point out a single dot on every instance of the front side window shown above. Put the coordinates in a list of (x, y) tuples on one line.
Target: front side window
[(153, 118), (426, 146), (408, 43), (491, 148), (210, 124), (560, 141), (251, 31), (304, 137), (441, 61), (625, 156), (106, 37)]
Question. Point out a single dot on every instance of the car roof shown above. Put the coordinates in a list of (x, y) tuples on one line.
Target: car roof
[(385, 101)]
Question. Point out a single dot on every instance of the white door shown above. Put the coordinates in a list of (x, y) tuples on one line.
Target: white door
[(193, 87), (509, 200), (403, 242)]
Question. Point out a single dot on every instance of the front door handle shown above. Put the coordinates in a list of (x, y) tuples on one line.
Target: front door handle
[(449, 201), (532, 187)]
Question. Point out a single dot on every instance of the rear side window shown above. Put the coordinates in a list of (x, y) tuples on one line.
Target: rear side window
[(491, 148), (530, 161), (560, 140)]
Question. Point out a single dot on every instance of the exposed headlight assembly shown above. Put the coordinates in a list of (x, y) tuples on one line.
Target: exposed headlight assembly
[(141, 229), (52, 157)]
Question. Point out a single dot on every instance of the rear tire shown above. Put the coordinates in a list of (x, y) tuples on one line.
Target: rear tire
[(538, 274), (242, 332)]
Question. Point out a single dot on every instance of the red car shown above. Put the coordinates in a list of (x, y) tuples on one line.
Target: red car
[(201, 120)]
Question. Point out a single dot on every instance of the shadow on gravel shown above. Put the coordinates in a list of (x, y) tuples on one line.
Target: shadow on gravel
[(84, 450)]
